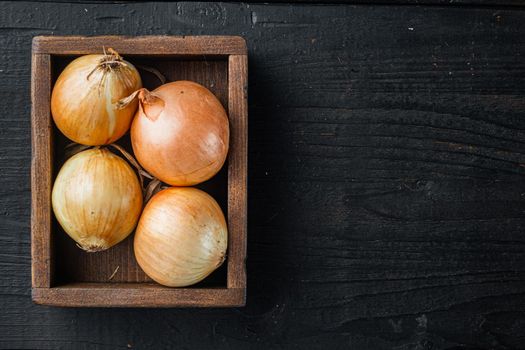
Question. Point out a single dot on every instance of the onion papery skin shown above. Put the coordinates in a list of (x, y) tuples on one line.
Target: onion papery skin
[(180, 133), (84, 96), (97, 199), (181, 237)]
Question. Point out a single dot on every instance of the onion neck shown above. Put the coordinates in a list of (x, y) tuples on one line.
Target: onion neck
[(150, 103), (111, 60)]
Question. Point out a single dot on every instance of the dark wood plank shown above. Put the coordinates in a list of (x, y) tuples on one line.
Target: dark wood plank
[(136, 295), (493, 3), (385, 179), (483, 3), (487, 3), (237, 169), (146, 45), (41, 169)]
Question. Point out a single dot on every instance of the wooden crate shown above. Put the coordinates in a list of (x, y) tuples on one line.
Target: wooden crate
[(64, 275)]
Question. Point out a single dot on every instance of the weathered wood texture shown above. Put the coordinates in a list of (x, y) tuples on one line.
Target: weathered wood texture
[(386, 179), (41, 166), (350, 2), (237, 161), (137, 295), (143, 45)]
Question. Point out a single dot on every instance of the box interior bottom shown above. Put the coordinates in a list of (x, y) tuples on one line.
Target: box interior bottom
[(71, 266)]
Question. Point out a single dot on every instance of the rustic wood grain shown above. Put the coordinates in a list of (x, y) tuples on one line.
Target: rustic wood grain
[(41, 172), (136, 295), (237, 170), (385, 178), (146, 45), (484, 3)]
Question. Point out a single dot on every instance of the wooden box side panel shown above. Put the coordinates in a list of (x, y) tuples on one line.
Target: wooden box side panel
[(237, 170), (142, 45), (136, 295), (41, 168)]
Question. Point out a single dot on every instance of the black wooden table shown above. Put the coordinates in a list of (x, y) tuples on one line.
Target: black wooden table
[(386, 177)]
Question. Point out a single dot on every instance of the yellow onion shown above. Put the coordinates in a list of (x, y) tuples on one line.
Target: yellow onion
[(97, 199), (84, 97), (180, 133), (181, 237)]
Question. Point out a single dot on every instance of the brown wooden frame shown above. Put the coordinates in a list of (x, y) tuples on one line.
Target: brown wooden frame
[(136, 294)]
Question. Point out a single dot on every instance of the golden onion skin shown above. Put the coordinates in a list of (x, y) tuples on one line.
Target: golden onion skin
[(97, 199), (181, 135), (181, 237), (83, 98)]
